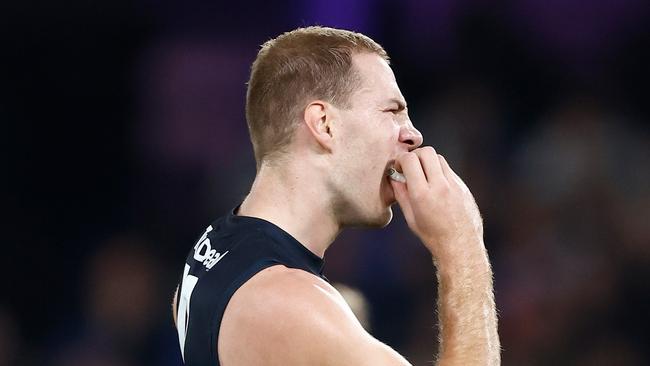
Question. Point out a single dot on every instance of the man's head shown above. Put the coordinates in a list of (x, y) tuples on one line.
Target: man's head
[(293, 69), (330, 96)]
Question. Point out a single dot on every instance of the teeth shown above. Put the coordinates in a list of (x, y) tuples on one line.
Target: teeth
[(396, 176)]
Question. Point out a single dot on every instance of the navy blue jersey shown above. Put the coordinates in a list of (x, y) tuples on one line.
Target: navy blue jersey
[(231, 251)]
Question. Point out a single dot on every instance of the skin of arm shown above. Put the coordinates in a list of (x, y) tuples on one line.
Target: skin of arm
[(285, 316), (441, 211)]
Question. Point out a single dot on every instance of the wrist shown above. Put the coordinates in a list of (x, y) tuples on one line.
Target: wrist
[(465, 262), (456, 248)]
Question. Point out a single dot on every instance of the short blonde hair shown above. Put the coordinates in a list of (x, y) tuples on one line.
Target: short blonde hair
[(293, 69)]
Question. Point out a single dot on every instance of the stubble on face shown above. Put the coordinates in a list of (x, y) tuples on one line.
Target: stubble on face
[(362, 194), (363, 205)]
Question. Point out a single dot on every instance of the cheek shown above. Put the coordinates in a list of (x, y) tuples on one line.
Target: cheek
[(369, 139)]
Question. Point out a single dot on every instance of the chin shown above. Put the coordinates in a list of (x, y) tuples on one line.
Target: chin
[(381, 220), (388, 217), (377, 215)]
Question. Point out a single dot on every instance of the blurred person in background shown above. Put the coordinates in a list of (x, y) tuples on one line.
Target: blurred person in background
[(357, 302), (327, 121), (120, 323), (565, 250)]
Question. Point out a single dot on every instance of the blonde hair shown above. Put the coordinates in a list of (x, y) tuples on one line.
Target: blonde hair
[(291, 70)]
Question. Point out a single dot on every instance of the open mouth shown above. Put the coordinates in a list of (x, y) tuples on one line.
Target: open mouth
[(389, 173), (395, 175)]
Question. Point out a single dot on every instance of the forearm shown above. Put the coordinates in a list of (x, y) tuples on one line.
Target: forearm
[(441, 211), (466, 310)]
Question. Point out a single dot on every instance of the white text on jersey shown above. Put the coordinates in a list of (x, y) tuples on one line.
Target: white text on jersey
[(203, 251)]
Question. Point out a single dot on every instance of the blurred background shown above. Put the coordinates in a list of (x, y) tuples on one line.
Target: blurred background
[(123, 137)]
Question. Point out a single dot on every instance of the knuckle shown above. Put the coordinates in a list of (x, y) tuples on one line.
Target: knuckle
[(425, 151), (429, 149), (410, 156), (443, 162)]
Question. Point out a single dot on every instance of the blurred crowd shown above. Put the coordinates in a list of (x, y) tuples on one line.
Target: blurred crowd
[(541, 107)]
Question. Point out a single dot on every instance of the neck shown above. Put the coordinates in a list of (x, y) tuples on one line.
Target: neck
[(287, 197)]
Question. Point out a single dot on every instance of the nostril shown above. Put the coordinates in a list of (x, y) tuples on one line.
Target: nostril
[(409, 142)]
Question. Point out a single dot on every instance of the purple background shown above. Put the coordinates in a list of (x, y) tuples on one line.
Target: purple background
[(123, 136)]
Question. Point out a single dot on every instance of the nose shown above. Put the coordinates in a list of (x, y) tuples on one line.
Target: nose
[(410, 136)]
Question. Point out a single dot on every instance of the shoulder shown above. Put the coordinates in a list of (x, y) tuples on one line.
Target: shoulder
[(290, 287), (287, 316)]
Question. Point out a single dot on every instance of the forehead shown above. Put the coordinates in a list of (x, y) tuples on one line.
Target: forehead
[(378, 80)]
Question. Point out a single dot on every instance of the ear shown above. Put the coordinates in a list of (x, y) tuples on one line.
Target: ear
[(318, 118)]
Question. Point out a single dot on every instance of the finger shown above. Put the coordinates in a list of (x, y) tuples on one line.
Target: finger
[(430, 163), (397, 165), (401, 195), (412, 169), (451, 176), (445, 168)]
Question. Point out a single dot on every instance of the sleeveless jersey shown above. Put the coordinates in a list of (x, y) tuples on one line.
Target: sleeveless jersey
[(231, 251)]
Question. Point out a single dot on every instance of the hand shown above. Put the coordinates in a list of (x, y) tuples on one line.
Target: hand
[(437, 205)]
